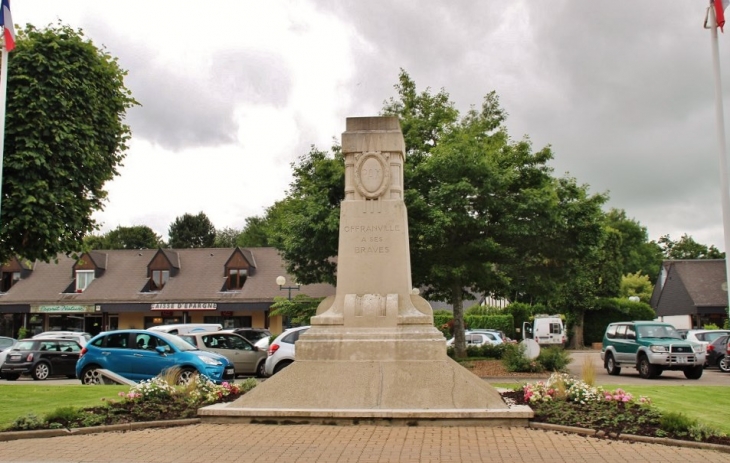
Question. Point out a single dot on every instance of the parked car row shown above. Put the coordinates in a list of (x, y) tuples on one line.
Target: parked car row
[(135, 354)]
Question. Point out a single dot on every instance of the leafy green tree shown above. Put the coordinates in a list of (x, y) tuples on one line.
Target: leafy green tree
[(636, 284), (299, 310), (192, 231), (65, 137), (305, 225), (135, 237), (638, 254), (687, 248), (226, 238), (255, 234)]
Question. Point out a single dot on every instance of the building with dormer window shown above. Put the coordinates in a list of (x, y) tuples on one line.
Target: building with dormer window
[(125, 288)]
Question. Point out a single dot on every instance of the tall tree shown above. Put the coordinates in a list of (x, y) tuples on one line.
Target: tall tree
[(135, 237), (638, 254), (255, 234), (192, 231), (64, 139), (687, 248), (226, 238)]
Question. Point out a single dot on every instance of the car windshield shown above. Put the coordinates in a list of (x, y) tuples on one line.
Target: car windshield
[(176, 341), (657, 331), (714, 335)]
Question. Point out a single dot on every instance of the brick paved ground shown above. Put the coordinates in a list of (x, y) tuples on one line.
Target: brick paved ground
[(325, 444)]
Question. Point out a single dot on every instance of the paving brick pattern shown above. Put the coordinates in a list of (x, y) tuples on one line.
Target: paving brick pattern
[(325, 444)]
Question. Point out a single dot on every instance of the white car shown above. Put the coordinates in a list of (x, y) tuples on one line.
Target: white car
[(5, 345), (78, 336), (705, 337), (281, 351), (478, 338)]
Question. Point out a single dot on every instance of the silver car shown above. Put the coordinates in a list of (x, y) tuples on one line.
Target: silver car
[(246, 358), (281, 351)]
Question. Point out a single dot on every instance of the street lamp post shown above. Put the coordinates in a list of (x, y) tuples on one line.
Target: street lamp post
[(281, 281)]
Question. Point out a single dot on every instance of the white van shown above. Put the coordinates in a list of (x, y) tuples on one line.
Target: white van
[(547, 330), (185, 328)]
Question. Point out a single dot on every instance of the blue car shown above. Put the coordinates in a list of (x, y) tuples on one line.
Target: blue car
[(140, 354)]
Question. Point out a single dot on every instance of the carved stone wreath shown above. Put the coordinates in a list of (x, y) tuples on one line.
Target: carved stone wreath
[(372, 174)]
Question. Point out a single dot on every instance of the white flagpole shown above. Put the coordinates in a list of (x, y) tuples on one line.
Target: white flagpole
[(3, 93), (721, 143)]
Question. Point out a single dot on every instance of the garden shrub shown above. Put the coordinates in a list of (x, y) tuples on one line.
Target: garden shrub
[(676, 423), (554, 358), (514, 360), (610, 310), (63, 416)]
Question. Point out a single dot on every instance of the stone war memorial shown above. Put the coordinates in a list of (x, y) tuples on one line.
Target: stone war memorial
[(372, 354)]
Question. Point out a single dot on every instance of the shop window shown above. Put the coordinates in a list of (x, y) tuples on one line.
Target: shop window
[(8, 280), (83, 279), (159, 279), (236, 278)]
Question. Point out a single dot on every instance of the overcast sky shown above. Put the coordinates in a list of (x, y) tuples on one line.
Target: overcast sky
[(233, 91)]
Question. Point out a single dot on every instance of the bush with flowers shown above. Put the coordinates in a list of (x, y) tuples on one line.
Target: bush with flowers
[(160, 398), (568, 401)]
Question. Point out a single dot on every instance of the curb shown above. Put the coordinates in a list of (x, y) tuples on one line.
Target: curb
[(630, 437), (41, 433)]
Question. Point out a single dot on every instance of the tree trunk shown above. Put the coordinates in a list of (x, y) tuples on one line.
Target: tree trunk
[(576, 340), (458, 305)]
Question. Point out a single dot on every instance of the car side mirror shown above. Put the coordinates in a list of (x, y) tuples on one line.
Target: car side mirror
[(255, 348), (160, 350), (631, 336)]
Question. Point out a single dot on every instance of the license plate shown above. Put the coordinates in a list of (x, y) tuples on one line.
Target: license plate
[(15, 357), (681, 360), (229, 371)]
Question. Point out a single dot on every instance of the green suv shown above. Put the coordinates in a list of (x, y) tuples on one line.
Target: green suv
[(651, 348)]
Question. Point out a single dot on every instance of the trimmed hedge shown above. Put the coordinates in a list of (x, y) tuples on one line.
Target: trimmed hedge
[(612, 310)]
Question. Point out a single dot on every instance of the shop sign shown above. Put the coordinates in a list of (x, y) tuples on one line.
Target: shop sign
[(226, 313), (62, 309), (184, 306)]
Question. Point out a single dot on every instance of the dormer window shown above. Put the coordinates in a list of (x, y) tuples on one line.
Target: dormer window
[(83, 279), (159, 279), (236, 278), (8, 280)]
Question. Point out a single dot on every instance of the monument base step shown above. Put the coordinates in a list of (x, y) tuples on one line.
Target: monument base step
[(516, 415), (371, 392)]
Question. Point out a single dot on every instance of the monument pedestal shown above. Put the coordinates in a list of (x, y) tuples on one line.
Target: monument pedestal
[(372, 353)]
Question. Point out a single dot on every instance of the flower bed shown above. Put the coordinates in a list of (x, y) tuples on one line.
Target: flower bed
[(567, 401)]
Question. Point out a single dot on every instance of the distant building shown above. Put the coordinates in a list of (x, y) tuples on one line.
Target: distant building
[(691, 293), (114, 289)]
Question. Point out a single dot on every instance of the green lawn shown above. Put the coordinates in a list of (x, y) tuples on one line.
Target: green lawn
[(16, 400), (706, 404)]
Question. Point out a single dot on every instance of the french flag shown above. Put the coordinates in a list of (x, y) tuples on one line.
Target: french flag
[(720, 7), (7, 22)]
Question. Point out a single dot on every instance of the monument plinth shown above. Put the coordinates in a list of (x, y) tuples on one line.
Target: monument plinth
[(372, 352)]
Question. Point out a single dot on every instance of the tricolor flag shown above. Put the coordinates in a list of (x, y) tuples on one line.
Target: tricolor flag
[(720, 7), (9, 31)]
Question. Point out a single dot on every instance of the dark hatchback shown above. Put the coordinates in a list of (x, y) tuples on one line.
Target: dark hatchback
[(717, 353), (42, 358)]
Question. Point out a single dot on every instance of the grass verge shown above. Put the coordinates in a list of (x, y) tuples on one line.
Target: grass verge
[(703, 403), (19, 401)]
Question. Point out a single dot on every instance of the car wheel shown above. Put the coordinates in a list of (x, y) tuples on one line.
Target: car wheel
[(611, 367), (11, 376), (694, 372), (646, 369), (41, 371), (281, 365), (186, 375), (261, 369), (724, 363), (92, 376)]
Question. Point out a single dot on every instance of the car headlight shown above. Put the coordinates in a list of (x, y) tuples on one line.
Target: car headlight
[(209, 360), (698, 348), (658, 349)]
